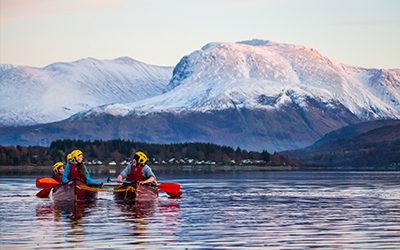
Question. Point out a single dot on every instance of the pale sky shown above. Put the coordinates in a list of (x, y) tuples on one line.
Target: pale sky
[(362, 33)]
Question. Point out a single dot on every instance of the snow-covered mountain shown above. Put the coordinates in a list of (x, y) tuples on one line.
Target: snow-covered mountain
[(265, 75), (253, 94), (40, 95)]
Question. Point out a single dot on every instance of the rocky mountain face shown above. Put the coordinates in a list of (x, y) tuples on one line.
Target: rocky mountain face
[(245, 128)]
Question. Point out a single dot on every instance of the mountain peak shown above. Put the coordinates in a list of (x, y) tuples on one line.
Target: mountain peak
[(260, 74), (256, 42), (126, 59), (252, 42)]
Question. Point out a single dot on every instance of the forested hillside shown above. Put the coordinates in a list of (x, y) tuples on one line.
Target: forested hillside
[(123, 150)]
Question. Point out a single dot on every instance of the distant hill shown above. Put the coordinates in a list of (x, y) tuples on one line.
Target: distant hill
[(371, 145)]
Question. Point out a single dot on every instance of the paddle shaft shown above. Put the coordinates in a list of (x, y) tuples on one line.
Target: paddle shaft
[(167, 187), (112, 184)]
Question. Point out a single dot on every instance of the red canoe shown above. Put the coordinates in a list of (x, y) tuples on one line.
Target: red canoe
[(75, 190), (134, 192)]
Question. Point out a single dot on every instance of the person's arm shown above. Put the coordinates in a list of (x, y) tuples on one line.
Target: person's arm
[(149, 180), (64, 177), (124, 173), (89, 179), (148, 175)]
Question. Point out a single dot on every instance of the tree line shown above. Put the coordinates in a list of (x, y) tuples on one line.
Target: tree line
[(120, 150)]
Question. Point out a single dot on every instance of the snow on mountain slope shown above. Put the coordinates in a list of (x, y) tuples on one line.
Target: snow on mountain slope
[(40, 95), (254, 95), (265, 75)]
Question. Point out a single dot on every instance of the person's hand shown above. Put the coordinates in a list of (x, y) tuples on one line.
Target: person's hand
[(119, 179), (101, 184)]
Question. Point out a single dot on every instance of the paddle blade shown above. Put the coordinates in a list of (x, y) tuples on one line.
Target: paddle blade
[(45, 182), (169, 187), (44, 193), (175, 195)]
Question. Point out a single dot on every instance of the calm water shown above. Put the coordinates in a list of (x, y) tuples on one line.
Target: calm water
[(281, 210)]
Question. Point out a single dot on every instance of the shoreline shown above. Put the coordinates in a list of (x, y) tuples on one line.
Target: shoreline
[(104, 170), (29, 170)]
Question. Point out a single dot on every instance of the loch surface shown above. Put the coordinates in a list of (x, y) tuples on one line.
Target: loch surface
[(260, 209)]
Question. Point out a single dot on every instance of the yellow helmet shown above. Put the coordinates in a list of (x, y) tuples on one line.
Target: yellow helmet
[(69, 157), (140, 158), (74, 154), (56, 166)]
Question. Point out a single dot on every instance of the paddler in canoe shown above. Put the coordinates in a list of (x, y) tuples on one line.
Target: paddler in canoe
[(138, 171), (58, 170), (75, 169), (76, 181), (69, 158), (140, 178)]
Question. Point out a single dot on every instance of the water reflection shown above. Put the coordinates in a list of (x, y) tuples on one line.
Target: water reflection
[(250, 210), (138, 221), (60, 210), (143, 216), (138, 209)]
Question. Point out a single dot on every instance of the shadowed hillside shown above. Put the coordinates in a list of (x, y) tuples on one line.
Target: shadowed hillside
[(371, 145)]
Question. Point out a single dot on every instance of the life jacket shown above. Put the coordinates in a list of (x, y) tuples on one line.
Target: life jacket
[(57, 177), (136, 174), (73, 173)]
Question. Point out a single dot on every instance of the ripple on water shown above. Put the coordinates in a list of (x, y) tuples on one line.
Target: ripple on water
[(262, 210)]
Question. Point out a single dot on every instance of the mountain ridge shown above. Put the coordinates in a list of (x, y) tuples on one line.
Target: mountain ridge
[(33, 95), (253, 94), (229, 75)]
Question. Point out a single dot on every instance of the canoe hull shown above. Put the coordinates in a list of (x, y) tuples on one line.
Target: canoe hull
[(73, 191), (136, 193)]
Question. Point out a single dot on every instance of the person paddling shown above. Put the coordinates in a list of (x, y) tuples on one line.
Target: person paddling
[(138, 171), (69, 158), (75, 169), (58, 170)]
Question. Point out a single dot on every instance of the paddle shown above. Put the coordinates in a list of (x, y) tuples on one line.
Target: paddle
[(46, 182), (169, 187), (172, 189), (44, 193)]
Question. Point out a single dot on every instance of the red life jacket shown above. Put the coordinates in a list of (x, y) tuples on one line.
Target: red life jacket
[(57, 177), (136, 174), (73, 173)]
